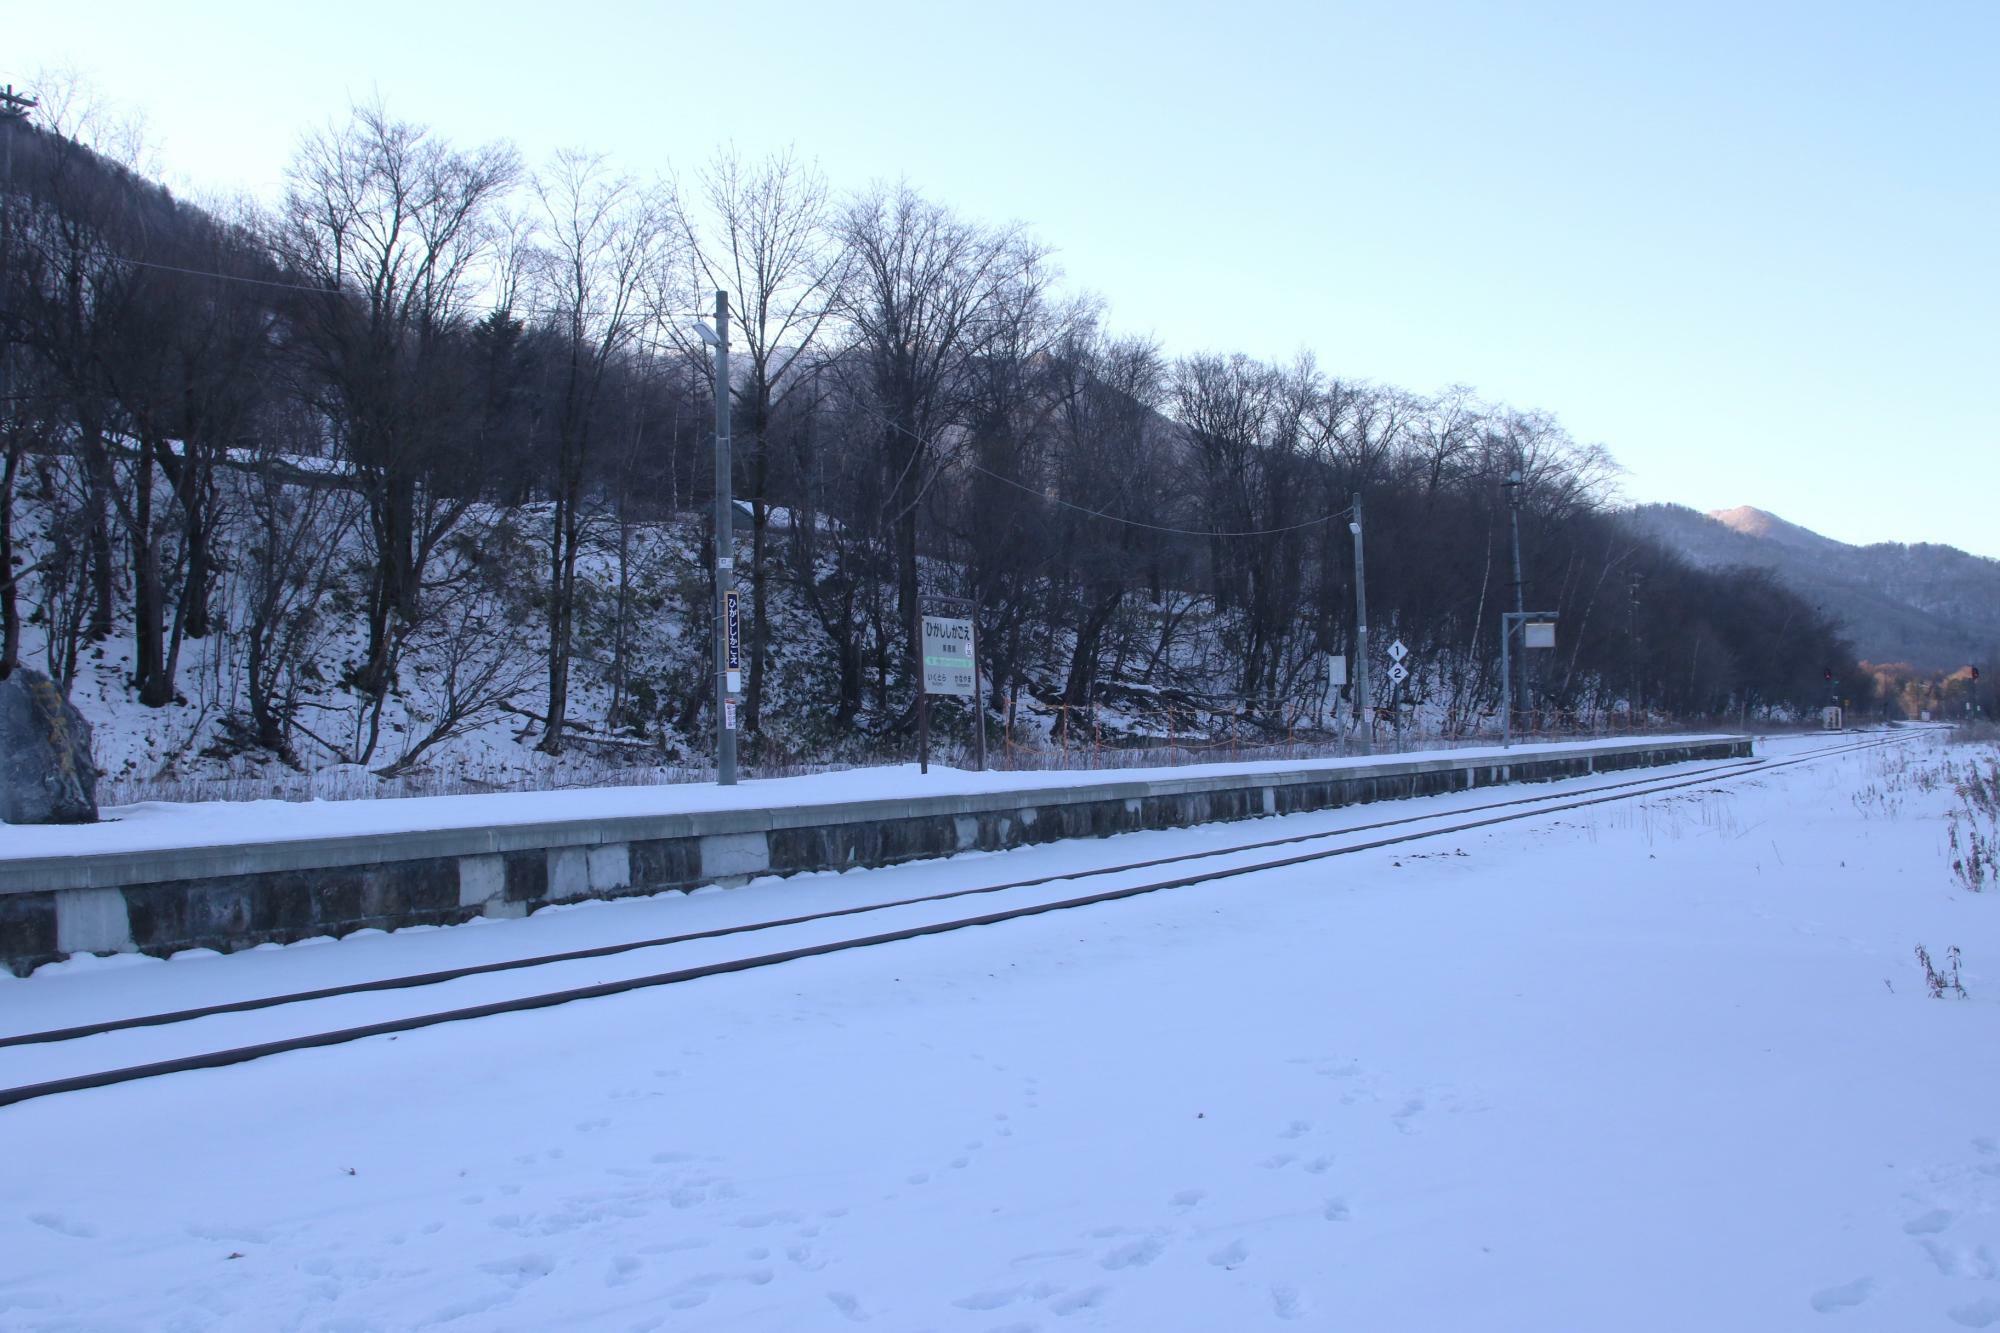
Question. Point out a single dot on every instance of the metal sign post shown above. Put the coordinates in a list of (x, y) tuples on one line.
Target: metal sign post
[(1362, 702), (1538, 631), (727, 636), (1398, 673), (950, 666)]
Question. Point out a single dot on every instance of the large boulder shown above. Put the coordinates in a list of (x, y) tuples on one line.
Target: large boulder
[(46, 775)]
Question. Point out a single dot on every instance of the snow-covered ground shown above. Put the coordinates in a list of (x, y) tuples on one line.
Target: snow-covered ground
[(1665, 1065)]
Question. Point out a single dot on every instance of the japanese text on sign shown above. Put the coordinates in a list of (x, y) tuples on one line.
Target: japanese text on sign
[(948, 656)]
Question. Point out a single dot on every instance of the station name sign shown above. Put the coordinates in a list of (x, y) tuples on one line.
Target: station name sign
[(948, 665)]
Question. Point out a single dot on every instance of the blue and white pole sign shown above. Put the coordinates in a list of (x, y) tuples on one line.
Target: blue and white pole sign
[(948, 656), (734, 649)]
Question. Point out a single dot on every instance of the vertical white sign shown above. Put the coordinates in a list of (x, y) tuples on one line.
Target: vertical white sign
[(947, 655)]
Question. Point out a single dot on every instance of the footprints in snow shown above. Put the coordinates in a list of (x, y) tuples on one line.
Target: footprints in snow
[(1967, 1185), (1932, 1222), (637, 1187), (64, 1226), (1086, 1299), (677, 1180), (1133, 1254), (1336, 1209), (1830, 1299), (1982, 1313), (1286, 1302), (958, 1161), (849, 1305), (1000, 1297), (1230, 1255)]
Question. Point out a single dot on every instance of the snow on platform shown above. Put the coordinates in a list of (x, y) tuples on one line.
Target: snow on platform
[(163, 826)]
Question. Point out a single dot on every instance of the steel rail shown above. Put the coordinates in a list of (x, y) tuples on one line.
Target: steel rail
[(627, 946)]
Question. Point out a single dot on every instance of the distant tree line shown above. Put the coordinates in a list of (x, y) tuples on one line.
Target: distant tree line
[(429, 406)]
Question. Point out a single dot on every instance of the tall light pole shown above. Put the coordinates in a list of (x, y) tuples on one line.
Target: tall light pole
[(1361, 699), (725, 551), (1513, 488), (1632, 633)]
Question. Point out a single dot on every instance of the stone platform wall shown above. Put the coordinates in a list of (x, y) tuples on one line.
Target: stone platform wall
[(232, 897)]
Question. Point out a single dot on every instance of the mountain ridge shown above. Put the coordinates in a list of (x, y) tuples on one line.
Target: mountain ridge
[(1926, 604), (1762, 523)]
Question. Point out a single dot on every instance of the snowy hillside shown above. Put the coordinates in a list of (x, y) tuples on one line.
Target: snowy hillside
[(466, 710)]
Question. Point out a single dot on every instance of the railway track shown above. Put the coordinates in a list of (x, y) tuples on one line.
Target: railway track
[(95, 1045)]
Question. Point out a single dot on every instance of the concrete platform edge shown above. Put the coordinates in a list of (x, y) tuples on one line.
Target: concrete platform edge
[(232, 897)]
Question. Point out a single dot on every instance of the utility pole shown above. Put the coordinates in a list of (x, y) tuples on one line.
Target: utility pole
[(1362, 701), (1513, 485), (1632, 633), (725, 554), (14, 109)]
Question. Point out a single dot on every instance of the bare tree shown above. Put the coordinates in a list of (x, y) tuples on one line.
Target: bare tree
[(768, 237), (394, 228), (292, 546), (27, 427), (74, 290), (606, 243), (468, 647), (186, 364), (929, 291)]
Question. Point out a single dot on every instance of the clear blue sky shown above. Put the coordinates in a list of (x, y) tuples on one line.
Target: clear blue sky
[(1752, 248)]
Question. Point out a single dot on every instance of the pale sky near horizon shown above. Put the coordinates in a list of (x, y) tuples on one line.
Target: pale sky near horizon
[(1749, 247)]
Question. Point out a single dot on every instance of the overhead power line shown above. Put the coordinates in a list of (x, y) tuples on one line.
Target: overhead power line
[(1157, 527), (1004, 480), (951, 456), (224, 277)]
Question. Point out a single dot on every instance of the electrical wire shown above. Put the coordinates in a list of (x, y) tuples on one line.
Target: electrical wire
[(1160, 527), (223, 277), (1004, 480), (951, 456)]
